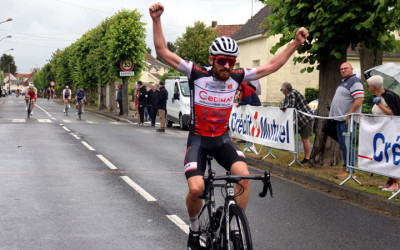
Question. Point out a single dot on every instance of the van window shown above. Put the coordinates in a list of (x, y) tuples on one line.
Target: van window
[(185, 88)]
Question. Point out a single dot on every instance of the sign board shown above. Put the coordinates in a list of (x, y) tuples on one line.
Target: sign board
[(126, 73), (126, 65), (52, 83)]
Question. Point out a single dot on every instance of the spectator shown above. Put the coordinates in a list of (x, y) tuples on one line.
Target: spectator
[(256, 85), (147, 106), (137, 102), (248, 95), (347, 100), (119, 99), (162, 97), (293, 99), (386, 103), (142, 101), (153, 104)]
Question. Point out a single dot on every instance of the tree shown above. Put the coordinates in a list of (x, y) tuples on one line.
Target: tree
[(195, 43), (7, 64), (334, 26)]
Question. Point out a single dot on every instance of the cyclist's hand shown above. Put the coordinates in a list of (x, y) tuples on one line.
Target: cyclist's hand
[(156, 10), (301, 35)]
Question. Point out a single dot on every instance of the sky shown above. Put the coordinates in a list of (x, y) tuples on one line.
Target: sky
[(40, 27)]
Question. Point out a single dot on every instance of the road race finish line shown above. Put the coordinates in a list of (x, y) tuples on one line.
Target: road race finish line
[(18, 120)]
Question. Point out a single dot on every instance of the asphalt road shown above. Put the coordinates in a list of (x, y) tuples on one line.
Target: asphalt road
[(71, 184)]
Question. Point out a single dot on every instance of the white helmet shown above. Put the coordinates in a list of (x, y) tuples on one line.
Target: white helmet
[(224, 46), (31, 85)]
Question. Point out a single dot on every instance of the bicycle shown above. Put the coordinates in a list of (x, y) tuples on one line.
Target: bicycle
[(66, 107), (80, 109), (29, 110), (215, 224)]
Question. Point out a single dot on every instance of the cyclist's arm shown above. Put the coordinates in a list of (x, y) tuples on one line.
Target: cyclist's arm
[(279, 60), (160, 45)]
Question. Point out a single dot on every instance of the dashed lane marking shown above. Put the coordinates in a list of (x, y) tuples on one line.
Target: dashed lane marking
[(107, 162), (66, 129), (179, 222), (88, 146), (138, 189), (18, 120), (44, 120), (76, 137)]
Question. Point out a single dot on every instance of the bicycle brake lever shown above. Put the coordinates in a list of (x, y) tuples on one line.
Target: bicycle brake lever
[(267, 185)]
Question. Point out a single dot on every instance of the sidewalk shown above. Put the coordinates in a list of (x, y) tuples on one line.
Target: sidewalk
[(344, 192)]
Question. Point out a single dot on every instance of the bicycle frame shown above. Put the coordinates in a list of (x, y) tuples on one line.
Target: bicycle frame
[(216, 221)]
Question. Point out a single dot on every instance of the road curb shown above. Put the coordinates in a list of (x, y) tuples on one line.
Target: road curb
[(342, 191)]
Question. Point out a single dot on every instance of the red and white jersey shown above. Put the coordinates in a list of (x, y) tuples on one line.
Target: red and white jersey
[(211, 100)]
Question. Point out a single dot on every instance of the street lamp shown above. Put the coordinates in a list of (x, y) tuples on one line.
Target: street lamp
[(9, 36), (8, 20)]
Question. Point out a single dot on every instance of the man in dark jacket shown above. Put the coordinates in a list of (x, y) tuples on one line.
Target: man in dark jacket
[(119, 99), (152, 104), (142, 101), (162, 97)]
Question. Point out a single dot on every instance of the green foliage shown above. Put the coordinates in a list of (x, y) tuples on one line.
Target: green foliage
[(171, 71), (311, 94), (367, 104), (5, 61), (195, 43), (334, 26), (95, 57)]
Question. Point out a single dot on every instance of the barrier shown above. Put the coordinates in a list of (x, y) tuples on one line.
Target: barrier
[(267, 126)]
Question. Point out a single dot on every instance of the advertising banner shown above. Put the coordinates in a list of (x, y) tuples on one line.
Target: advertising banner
[(267, 126), (379, 145)]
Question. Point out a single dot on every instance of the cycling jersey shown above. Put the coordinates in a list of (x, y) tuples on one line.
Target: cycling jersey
[(66, 93), (211, 99), (31, 92), (80, 95)]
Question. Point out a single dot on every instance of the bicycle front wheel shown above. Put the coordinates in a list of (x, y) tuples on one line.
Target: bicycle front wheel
[(204, 228), (240, 236), (29, 108)]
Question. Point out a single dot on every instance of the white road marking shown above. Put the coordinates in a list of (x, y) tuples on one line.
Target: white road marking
[(138, 189), (179, 222), (107, 162), (69, 121), (88, 146), (44, 120), (93, 122), (76, 137), (66, 129), (18, 120)]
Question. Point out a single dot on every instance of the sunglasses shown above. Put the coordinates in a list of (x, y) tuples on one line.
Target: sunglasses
[(223, 60)]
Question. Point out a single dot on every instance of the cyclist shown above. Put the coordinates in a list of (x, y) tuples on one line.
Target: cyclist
[(212, 91), (80, 95), (31, 91), (66, 94)]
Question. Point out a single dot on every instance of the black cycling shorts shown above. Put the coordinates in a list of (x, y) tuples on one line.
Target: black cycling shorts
[(224, 151)]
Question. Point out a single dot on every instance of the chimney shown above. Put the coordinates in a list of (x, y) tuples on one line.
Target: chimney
[(214, 24)]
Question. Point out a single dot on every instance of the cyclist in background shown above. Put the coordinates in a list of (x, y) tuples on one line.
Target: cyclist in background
[(66, 94), (80, 95), (212, 91), (31, 91)]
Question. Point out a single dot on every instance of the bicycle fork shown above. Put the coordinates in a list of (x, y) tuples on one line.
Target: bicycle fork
[(230, 200)]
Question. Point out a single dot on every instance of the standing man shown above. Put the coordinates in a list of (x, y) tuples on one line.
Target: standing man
[(386, 102), (212, 91), (142, 101), (119, 99), (293, 99), (347, 100), (153, 104), (162, 97)]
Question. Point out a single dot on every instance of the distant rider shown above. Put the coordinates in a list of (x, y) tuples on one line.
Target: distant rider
[(31, 91), (80, 95), (66, 94)]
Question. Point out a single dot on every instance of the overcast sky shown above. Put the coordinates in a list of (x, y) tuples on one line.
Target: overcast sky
[(40, 27)]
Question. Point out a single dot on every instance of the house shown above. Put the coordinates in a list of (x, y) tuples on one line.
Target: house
[(154, 70), (255, 50), (225, 30)]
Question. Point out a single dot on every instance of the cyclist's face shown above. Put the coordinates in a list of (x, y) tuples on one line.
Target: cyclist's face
[(222, 66)]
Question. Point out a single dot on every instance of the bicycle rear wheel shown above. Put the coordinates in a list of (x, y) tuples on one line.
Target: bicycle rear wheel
[(29, 108), (244, 240)]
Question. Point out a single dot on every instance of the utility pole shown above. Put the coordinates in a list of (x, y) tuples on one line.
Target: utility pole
[(9, 79)]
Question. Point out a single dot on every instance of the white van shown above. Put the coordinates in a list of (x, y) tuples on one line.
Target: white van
[(178, 103)]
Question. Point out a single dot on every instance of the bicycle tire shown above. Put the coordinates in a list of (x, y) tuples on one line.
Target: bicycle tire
[(29, 108), (66, 109), (204, 228), (80, 110), (244, 229)]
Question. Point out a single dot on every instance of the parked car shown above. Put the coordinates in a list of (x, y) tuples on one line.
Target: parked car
[(178, 103)]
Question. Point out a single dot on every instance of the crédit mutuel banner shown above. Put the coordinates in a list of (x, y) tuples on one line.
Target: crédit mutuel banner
[(379, 145), (267, 126)]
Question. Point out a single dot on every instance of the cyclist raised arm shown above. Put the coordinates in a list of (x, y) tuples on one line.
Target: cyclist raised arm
[(31, 92), (212, 91), (66, 94)]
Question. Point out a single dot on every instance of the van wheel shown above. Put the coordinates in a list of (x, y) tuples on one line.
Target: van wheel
[(169, 123), (181, 124)]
